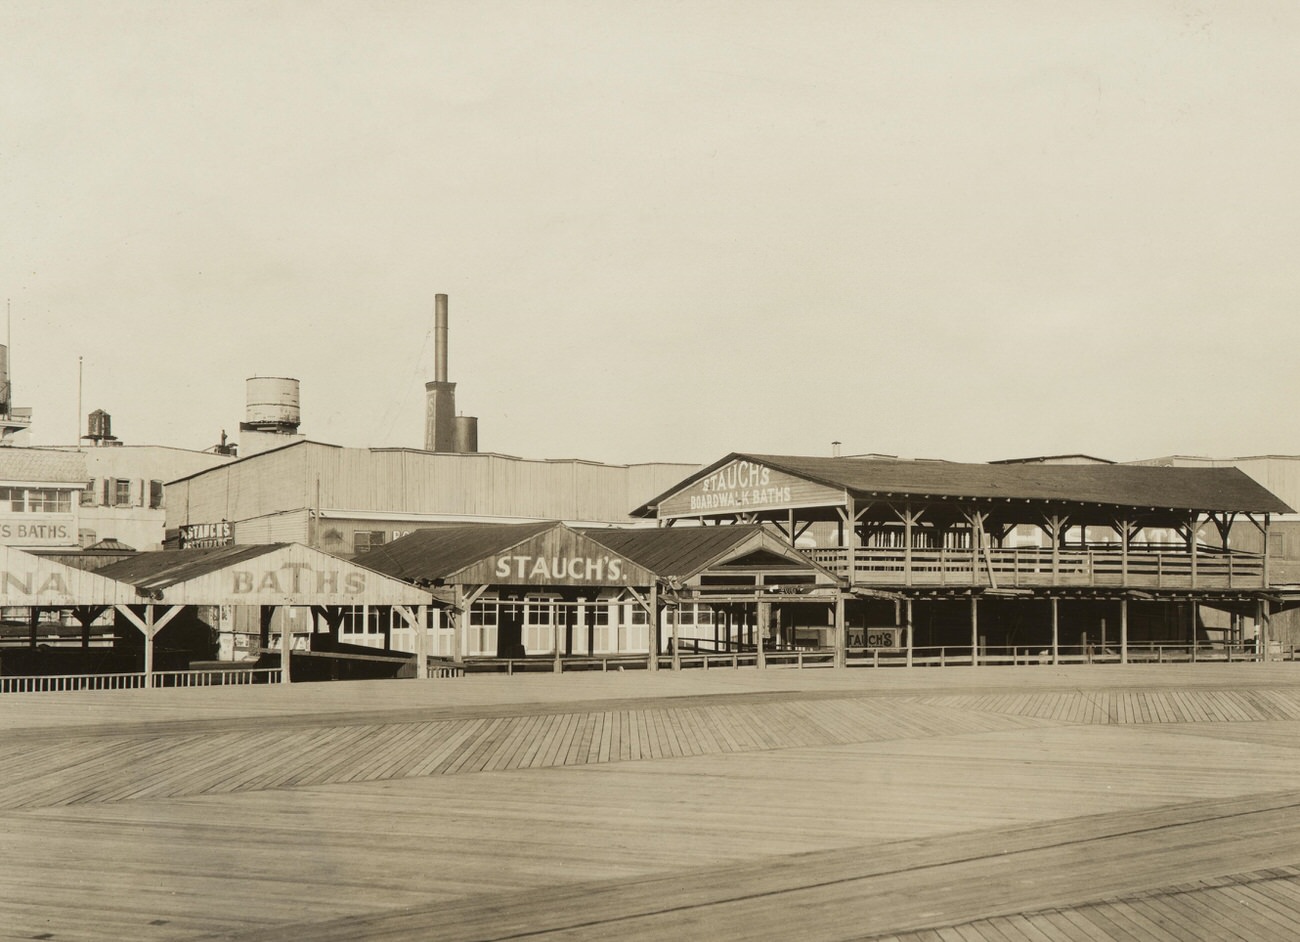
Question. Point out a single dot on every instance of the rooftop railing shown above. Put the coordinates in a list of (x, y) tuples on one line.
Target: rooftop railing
[(1034, 567)]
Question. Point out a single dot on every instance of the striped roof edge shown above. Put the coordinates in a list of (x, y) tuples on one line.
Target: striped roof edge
[(1200, 489)]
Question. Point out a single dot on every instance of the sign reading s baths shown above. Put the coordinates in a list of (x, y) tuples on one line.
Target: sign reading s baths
[(741, 486)]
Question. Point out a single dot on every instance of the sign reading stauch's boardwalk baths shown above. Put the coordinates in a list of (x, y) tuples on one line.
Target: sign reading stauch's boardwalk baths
[(744, 485)]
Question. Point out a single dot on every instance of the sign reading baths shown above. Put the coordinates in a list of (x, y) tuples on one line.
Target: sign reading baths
[(296, 579), (741, 486)]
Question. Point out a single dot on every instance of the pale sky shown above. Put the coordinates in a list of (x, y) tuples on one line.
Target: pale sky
[(668, 230)]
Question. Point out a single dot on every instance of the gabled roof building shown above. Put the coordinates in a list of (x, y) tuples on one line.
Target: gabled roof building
[(1130, 557)]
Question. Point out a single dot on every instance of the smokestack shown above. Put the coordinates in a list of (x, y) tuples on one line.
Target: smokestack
[(835, 449), (440, 395), (440, 338)]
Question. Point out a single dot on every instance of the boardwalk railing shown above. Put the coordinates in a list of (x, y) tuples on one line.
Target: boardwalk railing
[(135, 681), (1033, 567), (1138, 652)]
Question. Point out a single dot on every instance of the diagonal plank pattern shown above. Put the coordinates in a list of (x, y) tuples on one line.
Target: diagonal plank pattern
[(816, 810), (1253, 907), (1125, 707), (136, 767)]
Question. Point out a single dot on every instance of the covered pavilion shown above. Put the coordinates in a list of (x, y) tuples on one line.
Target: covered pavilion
[(520, 590), (267, 577), (1076, 541)]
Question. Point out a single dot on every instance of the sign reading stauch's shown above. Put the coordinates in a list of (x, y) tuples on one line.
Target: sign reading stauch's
[(744, 485), (206, 535), (555, 557)]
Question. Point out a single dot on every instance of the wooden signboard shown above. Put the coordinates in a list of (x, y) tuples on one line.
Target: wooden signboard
[(744, 486), (32, 580), (558, 556), (881, 638), (293, 575)]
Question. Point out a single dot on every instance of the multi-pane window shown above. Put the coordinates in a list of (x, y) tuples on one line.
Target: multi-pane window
[(362, 620), (121, 492), (483, 628), (48, 500), (539, 636), (36, 500), (363, 541), (88, 495), (155, 495)]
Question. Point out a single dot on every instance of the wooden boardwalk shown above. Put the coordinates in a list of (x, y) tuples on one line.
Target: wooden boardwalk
[(980, 805)]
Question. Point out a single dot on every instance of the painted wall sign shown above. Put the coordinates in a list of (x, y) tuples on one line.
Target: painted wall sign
[(206, 535), (599, 569), (38, 530), (292, 574), (28, 584), (296, 578), (33, 580), (741, 486), (874, 637), (558, 556)]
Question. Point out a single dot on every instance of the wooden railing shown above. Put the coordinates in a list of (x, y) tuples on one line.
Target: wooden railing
[(48, 683), (1144, 652), (1032, 567)]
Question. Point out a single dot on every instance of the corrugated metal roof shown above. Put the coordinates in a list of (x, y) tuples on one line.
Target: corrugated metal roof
[(438, 552), (675, 551), (1201, 489), (163, 568), (38, 465)]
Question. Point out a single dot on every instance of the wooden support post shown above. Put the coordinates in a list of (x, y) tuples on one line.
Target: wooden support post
[(1123, 631), (148, 647), (841, 632), (652, 618), (908, 521), (908, 609), (33, 619), (974, 631), (1193, 531), (559, 616), (286, 648), (1125, 537), (1266, 580), (1056, 633), (764, 618), (677, 640), (417, 621), (1263, 639), (850, 547), (458, 615)]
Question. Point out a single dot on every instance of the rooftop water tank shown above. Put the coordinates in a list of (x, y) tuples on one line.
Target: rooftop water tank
[(272, 405)]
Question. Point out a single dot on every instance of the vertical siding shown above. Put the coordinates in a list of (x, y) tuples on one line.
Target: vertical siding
[(292, 527), (411, 481)]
